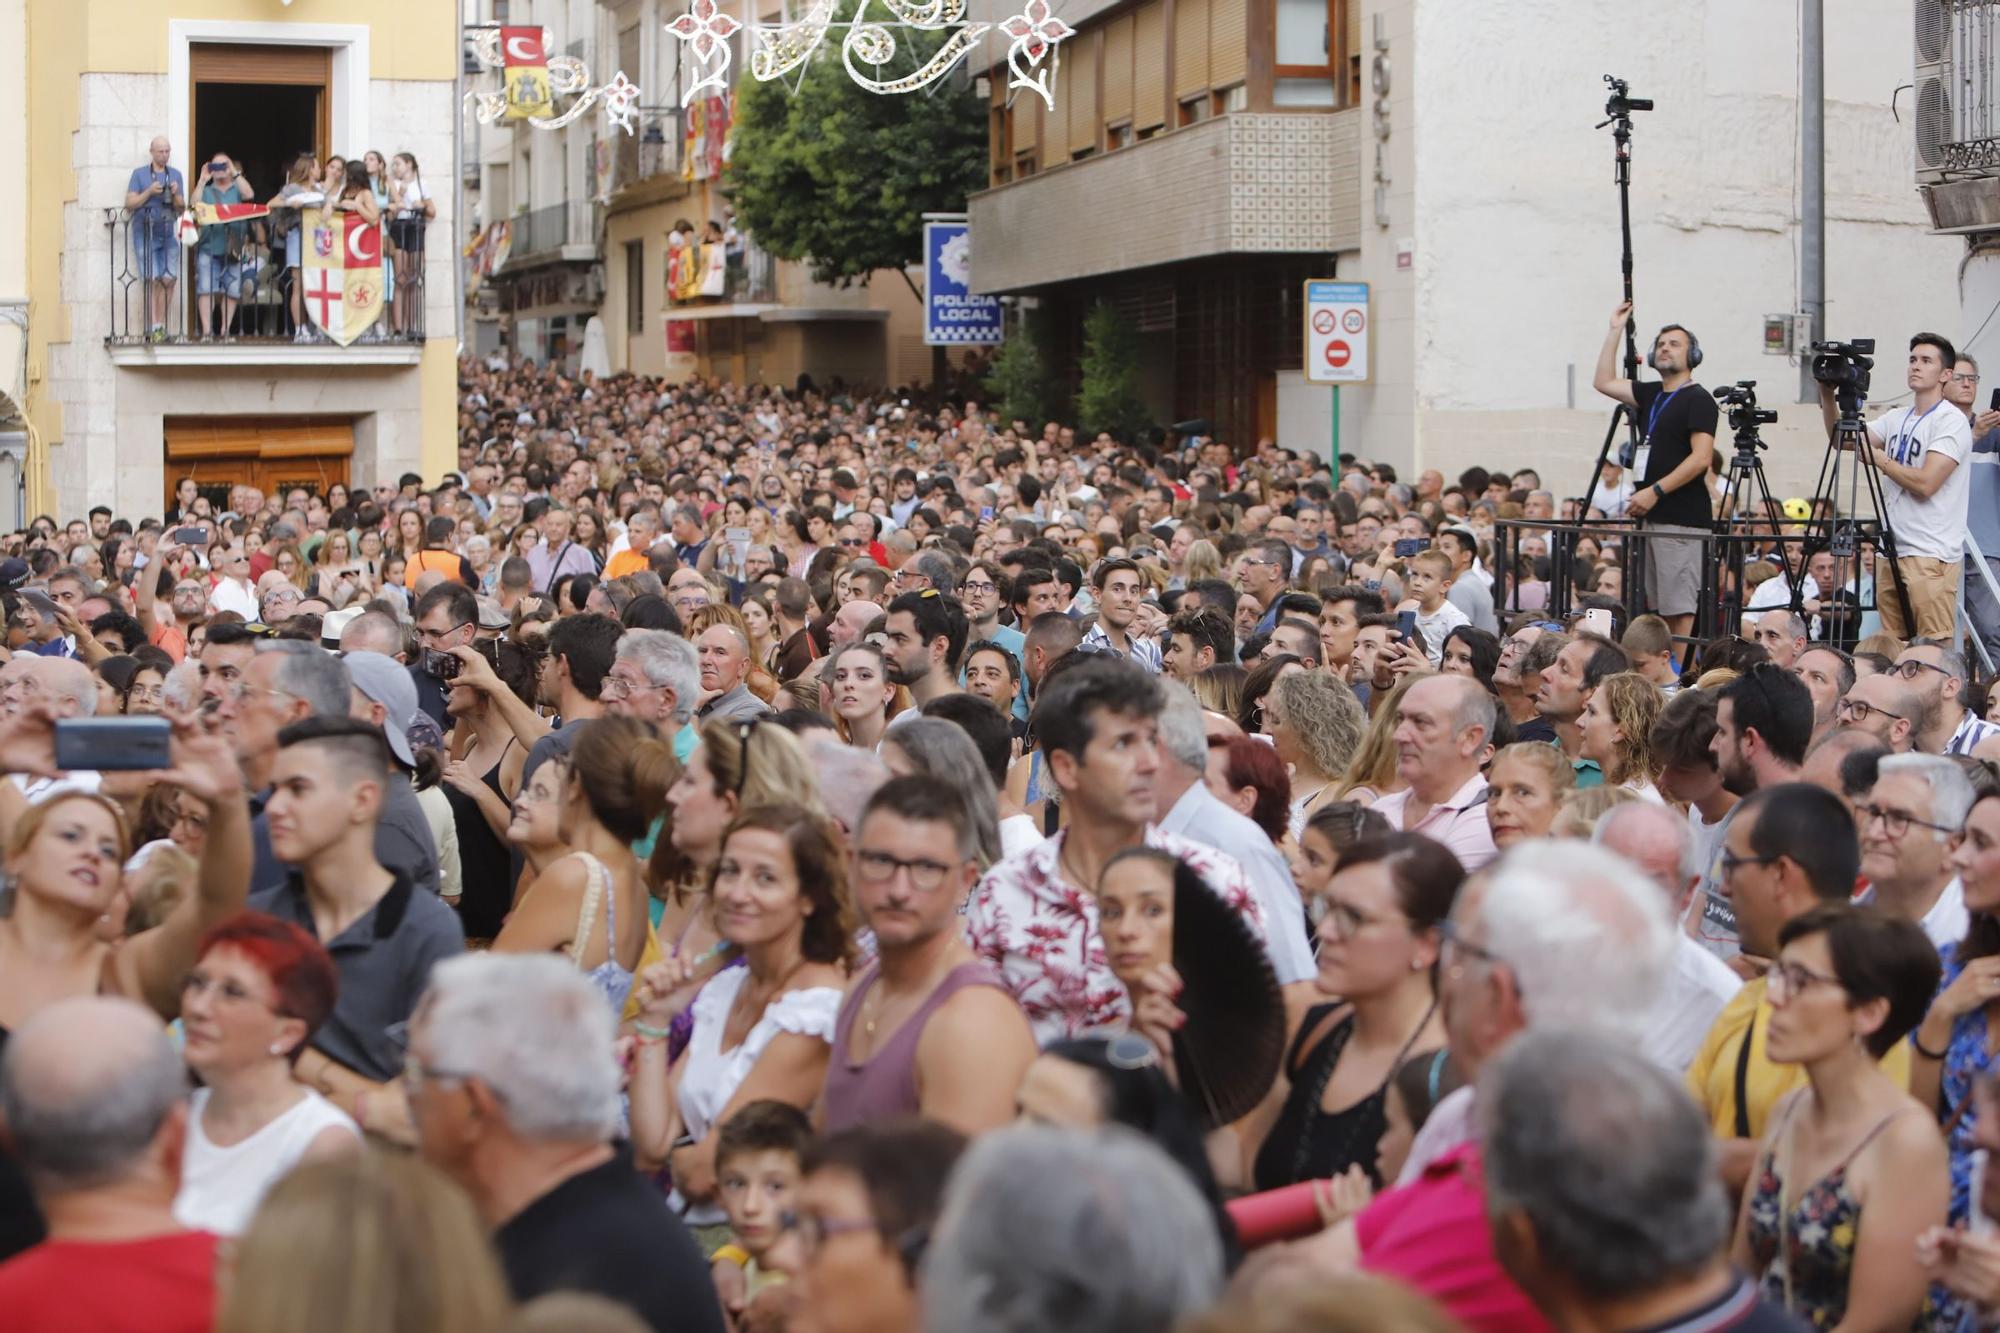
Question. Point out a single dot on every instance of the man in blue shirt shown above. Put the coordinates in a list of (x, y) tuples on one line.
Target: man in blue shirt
[(154, 197)]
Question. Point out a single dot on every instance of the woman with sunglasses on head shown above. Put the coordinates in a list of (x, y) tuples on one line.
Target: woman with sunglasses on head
[(259, 989), (1851, 1170), (764, 1030), (1380, 928), (734, 766)]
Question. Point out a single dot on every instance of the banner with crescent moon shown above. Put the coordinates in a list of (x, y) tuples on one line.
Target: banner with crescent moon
[(524, 63), (341, 269)]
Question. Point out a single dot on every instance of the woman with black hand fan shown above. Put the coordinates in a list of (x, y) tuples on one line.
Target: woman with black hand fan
[(1203, 993), (1379, 934)]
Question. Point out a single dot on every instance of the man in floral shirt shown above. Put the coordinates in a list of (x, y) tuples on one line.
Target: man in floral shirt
[(1034, 916)]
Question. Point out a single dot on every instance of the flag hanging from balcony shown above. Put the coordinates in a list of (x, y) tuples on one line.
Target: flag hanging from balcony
[(524, 63), (209, 215), (341, 269)]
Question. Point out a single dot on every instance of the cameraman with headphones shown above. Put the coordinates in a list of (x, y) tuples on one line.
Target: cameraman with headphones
[(1919, 450), (1677, 419)]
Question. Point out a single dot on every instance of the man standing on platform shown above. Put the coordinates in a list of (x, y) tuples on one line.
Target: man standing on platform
[(1669, 471)]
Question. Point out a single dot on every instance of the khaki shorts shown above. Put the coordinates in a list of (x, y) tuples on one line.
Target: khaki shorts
[(1933, 589), (1673, 568)]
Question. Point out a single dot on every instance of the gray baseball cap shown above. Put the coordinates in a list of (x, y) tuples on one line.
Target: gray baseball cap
[(385, 681)]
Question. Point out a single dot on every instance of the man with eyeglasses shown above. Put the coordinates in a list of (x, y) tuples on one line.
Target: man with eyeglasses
[(447, 617), (927, 1029), (1883, 706), (1944, 725), (1911, 823), (983, 593), (233, 589), (1789, 849), (1262, 573), (512, 1079)]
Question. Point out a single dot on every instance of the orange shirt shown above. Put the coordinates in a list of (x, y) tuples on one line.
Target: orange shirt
[(627, 561)]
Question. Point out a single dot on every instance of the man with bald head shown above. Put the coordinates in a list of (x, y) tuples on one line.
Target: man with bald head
[(724, 656), (373, 632), (851, 621), (1884, 707), (155, 196), (94, 1099), (1661, 845), (1444, 731)]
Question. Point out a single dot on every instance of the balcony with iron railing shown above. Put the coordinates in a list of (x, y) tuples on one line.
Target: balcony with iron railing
[(646, 167), (565, 232), (179, 305)]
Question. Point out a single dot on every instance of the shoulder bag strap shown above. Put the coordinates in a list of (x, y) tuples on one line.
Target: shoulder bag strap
[(1743, 1079)]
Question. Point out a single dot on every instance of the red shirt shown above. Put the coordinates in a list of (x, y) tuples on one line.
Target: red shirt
[(162, 1284), (1433, 1235)]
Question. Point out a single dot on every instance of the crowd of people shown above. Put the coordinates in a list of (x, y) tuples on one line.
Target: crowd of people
[(806, 860), (252, 257)]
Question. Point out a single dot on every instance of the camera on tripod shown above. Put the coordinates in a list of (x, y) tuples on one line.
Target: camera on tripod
[(1622, 104), (1845, 366), (1744, 414)]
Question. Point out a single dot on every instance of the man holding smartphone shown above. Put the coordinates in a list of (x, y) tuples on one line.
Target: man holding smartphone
[(1669, 470)]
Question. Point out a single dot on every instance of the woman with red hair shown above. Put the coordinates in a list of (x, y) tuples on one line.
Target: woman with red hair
[(1249, 778), (259, 989)]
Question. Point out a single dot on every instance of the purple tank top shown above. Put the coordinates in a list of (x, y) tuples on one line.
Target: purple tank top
[(886, 1085)]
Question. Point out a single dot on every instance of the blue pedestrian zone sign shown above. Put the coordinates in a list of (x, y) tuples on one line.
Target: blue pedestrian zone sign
[(953, 316)]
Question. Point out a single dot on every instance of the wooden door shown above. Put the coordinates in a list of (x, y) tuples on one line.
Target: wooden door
[(270, 453)]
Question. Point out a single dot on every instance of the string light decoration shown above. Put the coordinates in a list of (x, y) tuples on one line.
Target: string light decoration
[(1035, 34), (568, 77)]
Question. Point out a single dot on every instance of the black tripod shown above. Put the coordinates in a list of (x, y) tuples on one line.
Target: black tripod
[(1748, 491), (1847, 459), (1618, 115)]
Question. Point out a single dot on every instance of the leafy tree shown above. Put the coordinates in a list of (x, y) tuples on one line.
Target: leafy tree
[(1018, 382), (841, 177), (1109, 398)]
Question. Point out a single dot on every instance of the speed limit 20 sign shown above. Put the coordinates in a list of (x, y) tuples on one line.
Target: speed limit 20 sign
[(1337, 332)]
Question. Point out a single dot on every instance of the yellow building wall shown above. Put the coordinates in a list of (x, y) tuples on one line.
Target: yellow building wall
[(67, 39)]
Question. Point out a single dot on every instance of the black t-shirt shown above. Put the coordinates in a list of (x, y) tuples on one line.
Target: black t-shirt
[(1667, 422), (607, 1232)]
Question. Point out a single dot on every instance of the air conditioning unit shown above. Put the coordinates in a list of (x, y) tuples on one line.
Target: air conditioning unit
[(1936, 129)]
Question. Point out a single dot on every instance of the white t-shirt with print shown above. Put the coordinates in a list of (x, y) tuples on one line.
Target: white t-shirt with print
[(1933, 527)]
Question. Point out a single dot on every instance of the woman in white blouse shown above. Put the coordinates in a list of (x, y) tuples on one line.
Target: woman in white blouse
[(258, 990), (761, 1031)]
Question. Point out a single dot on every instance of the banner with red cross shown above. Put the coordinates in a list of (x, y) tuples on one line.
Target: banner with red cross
[(341, 269)]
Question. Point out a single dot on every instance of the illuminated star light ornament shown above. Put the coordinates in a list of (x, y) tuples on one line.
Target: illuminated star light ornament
[(1035, 34), (567, 77)]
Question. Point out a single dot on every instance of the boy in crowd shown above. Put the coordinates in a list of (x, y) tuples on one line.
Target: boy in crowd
[(1429, 586), (758, 1152)]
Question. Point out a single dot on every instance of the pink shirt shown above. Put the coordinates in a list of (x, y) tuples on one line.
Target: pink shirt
[(1433, 1235), (1459, 822)]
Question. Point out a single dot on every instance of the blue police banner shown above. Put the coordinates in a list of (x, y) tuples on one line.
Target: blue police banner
[(953, 316)]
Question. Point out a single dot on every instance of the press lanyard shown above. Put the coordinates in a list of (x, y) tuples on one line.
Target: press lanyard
[(1659, 406), (1908, 433)]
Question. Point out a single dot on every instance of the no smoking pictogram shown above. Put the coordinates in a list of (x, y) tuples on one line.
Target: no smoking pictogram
[(1338, 354), (1322, 321)]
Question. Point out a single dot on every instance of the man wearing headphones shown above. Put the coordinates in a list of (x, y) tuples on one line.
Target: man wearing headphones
[(1677, 420)]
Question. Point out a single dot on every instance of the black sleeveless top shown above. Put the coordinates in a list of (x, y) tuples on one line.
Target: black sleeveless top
[(486, 880), (1308, 1143)]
